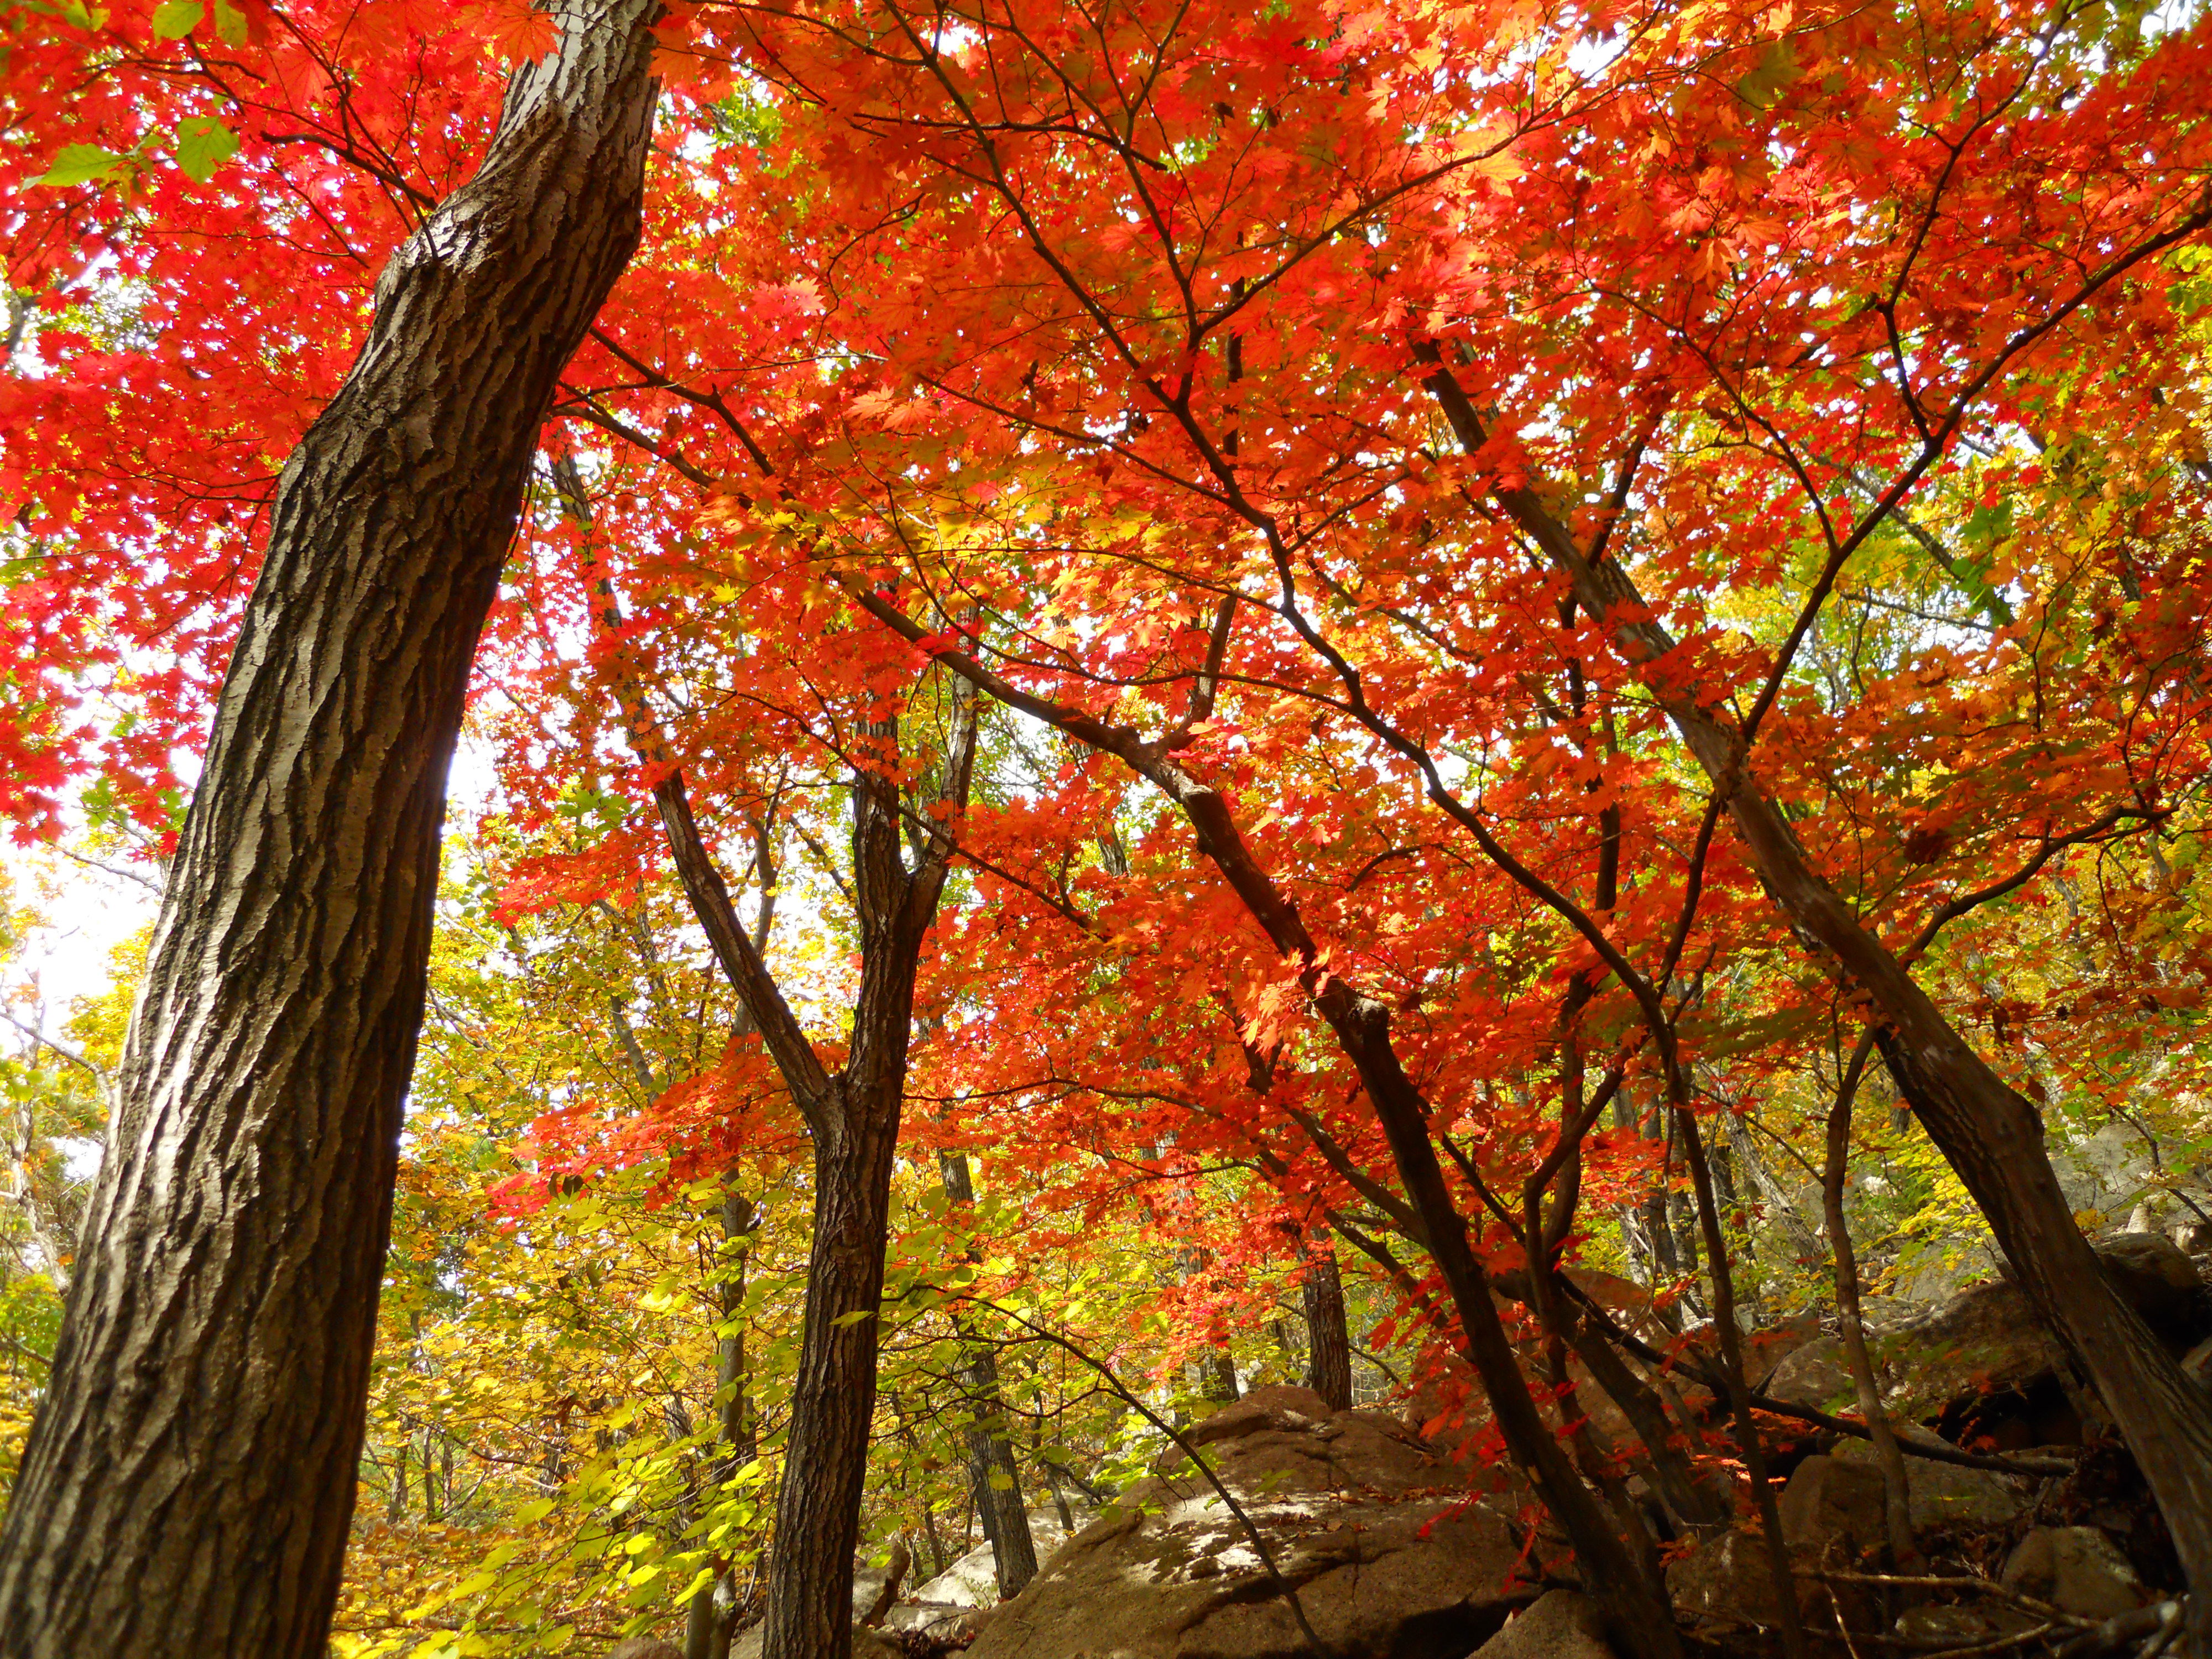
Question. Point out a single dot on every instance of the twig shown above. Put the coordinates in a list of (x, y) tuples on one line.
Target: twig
[(2161, 1618)]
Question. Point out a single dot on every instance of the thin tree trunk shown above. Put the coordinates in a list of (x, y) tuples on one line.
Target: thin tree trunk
[(990, 1446), (1217, 1375), (852, 1115), (710, 1617), (1634, 1608), (1328, 1337), (1739, 1386), (1213, 1372), (1059, 1502), (938, 1559), (398, 1505), (1896, 1485), (190, 1480), (1990, 1135)]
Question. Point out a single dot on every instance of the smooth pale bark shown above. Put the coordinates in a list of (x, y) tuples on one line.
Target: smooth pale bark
[(190, 1479), (1991, 1134)]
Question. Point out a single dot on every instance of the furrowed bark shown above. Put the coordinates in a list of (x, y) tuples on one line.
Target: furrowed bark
[(1328, 1336), (853, 1116), (817, 1510), (1990, 1133), (190, 1480)]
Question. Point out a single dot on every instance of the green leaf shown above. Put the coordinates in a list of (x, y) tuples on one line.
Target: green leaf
[(80, 164), (175, 19), (1777, 70), (203, 144), (229, 23)]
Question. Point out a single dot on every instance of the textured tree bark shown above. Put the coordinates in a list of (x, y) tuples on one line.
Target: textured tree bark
[(817, 1512), (1989, 1133), (817, 1507), (990, 1445), (190, 1479), (852, 1115), (1328, 1337)]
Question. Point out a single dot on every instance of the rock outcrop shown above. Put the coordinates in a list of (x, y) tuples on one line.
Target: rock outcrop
[(1564, 1623), (1980, 1361), (1837, 1499), (1389, 1553), (2076, 1570), (866, 1644), (949, 1602), (1373, 1545)]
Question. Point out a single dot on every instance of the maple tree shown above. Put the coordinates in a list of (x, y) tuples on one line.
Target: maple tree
[(222, 1313), (1540, 589)]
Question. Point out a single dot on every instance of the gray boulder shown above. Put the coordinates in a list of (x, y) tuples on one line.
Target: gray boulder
[(950, 1601), (1815, 1375), (2156, 1278), (1391, 1555), (1985, 1339), (1942, 1494), (1564, 1623), (1727, 1580), (2076, 1570)]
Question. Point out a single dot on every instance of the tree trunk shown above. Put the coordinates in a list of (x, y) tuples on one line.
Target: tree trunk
[(190, 1480), (1896, 1483), (1990, 1135), (990, 1446), (1328, 1338), (1634, 1609), (817, 1512), (710, 1617), (853, 1117)]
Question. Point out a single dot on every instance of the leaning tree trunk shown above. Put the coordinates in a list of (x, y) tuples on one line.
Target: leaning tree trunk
[(190, 1479), (1990, 1134)]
